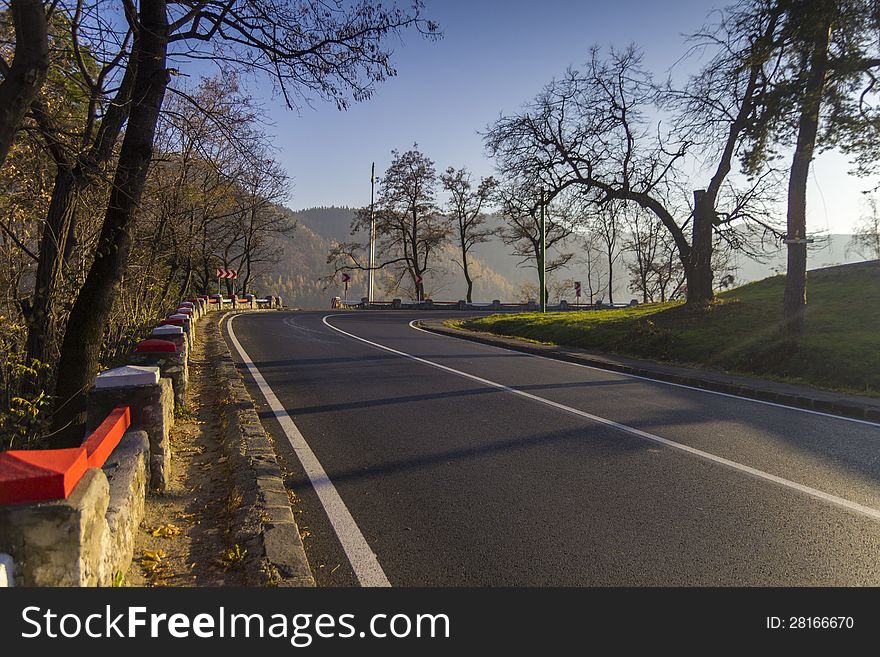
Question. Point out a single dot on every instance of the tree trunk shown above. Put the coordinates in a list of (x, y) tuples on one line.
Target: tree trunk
[(795, 298), (50, 267), (467, 275), (610, 276), (247, 277), (81, 348), (698, 263), (22, 82), (58, 237)]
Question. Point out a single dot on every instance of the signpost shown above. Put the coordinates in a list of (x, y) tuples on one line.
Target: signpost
[(542, 265), (346, 277), (577, 292), (225, 273), (419, 280)]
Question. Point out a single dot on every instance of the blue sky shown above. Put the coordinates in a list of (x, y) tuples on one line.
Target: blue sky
[(494, 56)]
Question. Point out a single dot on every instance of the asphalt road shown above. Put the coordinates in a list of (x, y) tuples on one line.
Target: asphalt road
[(467, 465)]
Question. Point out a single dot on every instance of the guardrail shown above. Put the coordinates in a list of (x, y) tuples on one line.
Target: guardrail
[(461, 304), (50, 474), (68, 516)]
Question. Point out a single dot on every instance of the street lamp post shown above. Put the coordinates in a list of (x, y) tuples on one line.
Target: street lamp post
[(372, 234)]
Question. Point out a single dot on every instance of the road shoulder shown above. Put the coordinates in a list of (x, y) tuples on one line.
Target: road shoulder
[(787, 394)]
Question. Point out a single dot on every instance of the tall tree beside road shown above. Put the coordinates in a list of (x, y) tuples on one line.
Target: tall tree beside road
[(821, 93), (592, 129), (95, 76), (409, 228), (308, 47), (521, 213), (81, 347), (466, 211)]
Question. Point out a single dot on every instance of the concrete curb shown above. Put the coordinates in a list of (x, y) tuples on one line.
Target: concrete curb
[(267, 521), (863, 408)]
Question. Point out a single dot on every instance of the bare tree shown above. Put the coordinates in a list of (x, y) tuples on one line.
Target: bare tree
[(644, 234), (558, 288), (591, 129), (667, 272), (93, 55), (262, 185), (466, 205), (605, 222), (821, 93), (521, 214), (213, 188), (591, 260), (308, 47), (409, 228)]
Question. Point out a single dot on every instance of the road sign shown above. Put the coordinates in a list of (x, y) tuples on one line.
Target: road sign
[(227, 273), (345, 277), (419, 279), (577, 288)]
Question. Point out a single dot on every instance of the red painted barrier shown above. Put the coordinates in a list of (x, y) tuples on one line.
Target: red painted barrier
[(40, 475), (50, 474), (155, 345), (174, 321), (106, 437)]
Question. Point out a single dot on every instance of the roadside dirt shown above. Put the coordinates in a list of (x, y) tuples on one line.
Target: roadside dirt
[(186, 537)]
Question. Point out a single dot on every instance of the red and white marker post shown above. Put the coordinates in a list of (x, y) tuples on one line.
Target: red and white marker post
[(419, 280), (346, 277), (225, 273)]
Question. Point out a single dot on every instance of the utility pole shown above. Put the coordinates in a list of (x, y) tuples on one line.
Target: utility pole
[(372, 234), (542, 265)]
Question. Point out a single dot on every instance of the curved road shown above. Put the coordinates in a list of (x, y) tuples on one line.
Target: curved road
[(438, 461)]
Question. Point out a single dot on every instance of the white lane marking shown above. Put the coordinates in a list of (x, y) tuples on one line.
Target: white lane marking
[(363, 559), (760, 474), (665, 383)]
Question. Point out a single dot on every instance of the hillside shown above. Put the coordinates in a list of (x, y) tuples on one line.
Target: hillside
[(300, 274), (840, 348)]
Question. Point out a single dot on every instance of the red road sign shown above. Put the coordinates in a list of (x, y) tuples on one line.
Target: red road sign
[(227, 273), (419, 279), (345, 277), (577, 288)]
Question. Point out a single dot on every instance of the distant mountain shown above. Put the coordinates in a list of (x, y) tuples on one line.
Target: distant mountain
[(331, 223), (299, 276)]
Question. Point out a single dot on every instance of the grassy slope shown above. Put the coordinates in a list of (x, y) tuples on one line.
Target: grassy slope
[(841, 348)]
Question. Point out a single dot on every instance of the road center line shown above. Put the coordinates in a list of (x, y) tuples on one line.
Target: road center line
[(872, 513), (363, 560)]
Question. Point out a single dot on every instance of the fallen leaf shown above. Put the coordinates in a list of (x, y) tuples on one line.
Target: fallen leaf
[(166, 531), (154, 555)]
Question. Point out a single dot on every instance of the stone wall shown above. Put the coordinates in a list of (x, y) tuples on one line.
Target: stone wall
[(87, 538)]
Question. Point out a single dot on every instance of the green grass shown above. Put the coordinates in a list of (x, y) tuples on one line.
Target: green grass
[(739, 333)]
